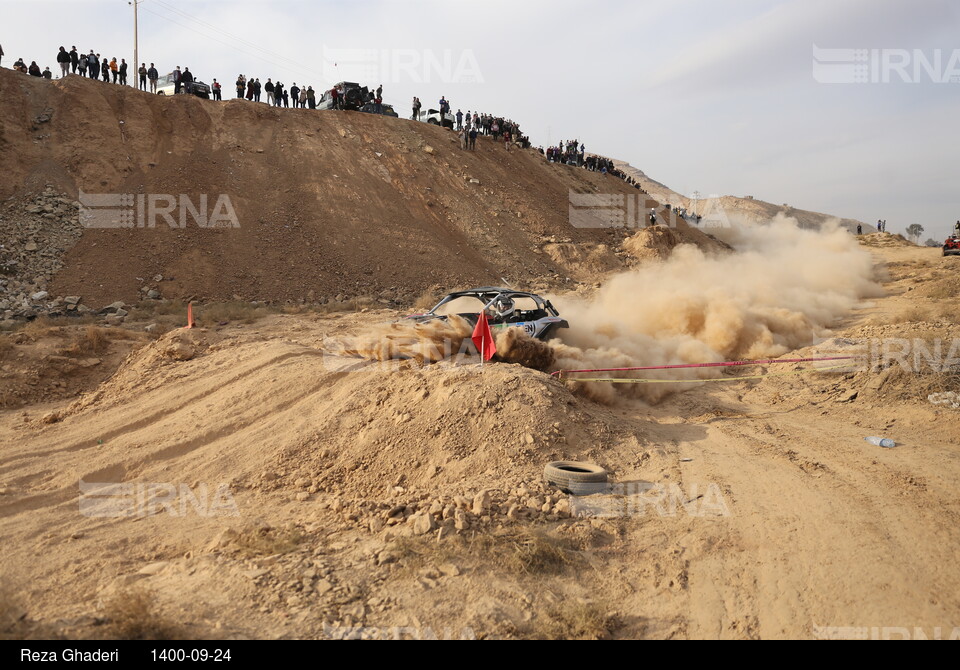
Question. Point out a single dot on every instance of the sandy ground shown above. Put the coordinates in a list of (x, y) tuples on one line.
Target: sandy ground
[(756, 508)]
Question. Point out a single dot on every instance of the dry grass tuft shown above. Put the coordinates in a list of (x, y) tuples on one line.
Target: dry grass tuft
[(525, 551), (92, 340), (132, 614), (575, 620)]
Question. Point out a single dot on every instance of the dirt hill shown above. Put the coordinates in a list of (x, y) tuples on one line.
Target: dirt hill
[(327, 202)]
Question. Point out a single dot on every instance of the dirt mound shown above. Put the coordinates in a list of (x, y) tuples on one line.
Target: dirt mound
[(658, 242), (232, 409), (327, 203), (884, 240), (583, 259), (654, 243)]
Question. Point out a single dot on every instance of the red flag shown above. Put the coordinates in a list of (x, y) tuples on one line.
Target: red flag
[(483, 338)]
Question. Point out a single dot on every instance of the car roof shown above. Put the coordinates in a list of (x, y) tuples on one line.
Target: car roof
[(493, 289)]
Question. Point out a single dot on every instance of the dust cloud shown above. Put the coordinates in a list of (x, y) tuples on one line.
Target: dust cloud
[(421, 343), (782, 288)]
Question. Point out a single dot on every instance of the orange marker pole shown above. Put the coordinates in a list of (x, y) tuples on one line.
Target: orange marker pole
[(190, 322)]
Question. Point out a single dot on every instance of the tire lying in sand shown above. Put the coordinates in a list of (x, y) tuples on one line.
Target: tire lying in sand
[(575, 477)]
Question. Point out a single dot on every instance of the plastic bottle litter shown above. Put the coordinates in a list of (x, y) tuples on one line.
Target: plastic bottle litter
[(881, 442)]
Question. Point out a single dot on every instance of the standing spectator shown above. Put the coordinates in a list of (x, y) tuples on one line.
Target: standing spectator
[(187, 79), (286, 98), (859, 229), (311, 97), (256, 89), (1, 53), (47, 74), (459, 119), (303, 98), (416, 108), (177, 80), (464, 138), (278, 94), (215, 87), (295, 94), (123, 71), (153, 75), (335, 97), (879, 225), (114, 69), (74, 59), (34, 70), (380, 91), (268, 87), (105, 70), (82, 66), (143, 76), (63, 58), (249, 95), (93, 66), (241, 85), (506, 140), (473, 138)]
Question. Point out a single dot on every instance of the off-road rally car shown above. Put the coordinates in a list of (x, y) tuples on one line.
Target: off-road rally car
[(505, 308), (166, 86), (952, 246), (354, 96), (385, 109)]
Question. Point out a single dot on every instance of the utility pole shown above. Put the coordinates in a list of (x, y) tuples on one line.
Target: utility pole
[(696, 201), (135, 69)]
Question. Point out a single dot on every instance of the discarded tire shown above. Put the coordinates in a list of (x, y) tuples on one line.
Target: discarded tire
[(576, 478)]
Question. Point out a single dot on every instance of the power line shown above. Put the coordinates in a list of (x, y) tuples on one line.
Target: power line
[(226, 44), (211, 26)]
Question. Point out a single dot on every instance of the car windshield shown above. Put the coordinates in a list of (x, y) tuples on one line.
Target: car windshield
[(471, 304), (468, 304)]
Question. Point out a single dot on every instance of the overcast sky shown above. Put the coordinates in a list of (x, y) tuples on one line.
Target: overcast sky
[(720, 97)]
